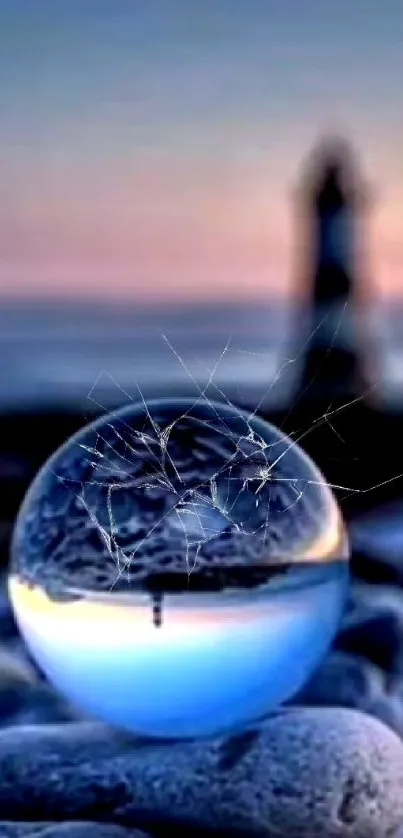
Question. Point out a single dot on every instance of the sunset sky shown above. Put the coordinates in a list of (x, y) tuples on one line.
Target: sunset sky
[(150, 149)]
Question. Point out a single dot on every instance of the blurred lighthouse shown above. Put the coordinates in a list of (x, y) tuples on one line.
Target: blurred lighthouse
[(331, 201), (157, 608)]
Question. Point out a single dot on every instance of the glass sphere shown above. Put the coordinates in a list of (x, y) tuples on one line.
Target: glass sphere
[(178, 568)]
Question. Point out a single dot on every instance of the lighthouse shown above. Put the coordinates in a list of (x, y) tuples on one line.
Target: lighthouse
[(332, 200), (157, 609)]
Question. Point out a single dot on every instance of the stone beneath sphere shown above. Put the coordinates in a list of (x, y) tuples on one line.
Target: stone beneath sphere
[(306, 772)]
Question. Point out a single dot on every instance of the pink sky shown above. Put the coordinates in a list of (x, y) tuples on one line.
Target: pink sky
[(154, 156), (161, 230)]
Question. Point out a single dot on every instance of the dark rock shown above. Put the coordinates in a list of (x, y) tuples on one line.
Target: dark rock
[(375, 599), (25, 699), (14, 671), (68, 829), (377, 542), (374, 627), (5, 535), (14, 467), (34, 704), (5, 530), (395, 687), (8, 627), (378, 637), (345, 680), (305, 772), (342, 680), (388, 708), (377, 570)]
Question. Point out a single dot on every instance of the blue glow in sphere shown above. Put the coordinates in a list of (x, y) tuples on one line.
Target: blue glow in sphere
[(178, 568)]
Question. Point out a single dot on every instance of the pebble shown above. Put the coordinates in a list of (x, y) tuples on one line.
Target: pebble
[(16, 679), (379, 596), (377, 636), (8, 627), (343, 680), (306, 772), (35, 704), (14, 670), (68, 829), (25, 698), (389, 709), (316, 770), (380, 531)]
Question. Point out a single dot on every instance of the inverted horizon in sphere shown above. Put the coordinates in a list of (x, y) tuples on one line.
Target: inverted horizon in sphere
[(187, 679)]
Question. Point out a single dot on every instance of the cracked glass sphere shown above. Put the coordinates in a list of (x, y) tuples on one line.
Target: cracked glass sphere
[(178, 568)]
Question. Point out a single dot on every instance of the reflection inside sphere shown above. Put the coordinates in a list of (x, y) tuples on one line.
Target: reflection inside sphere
[(178, 568)]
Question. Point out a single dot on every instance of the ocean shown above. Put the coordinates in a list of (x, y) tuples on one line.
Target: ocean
[(97, 355)]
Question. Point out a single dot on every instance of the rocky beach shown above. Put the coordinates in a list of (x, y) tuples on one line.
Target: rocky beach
[(330, 763)]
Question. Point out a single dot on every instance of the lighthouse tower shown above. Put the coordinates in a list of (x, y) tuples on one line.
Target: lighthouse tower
[(332, 199)]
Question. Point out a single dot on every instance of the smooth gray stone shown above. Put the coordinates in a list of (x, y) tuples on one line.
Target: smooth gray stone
[(378, 638), (380, 533), (395, 687), (343, 680), (373, 626), (68, 829), (306, 772), (378, 597), (14, 671), (8, 627), (389, 709), (34, 704), (24, 699)]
